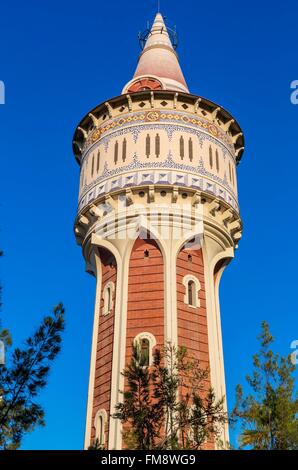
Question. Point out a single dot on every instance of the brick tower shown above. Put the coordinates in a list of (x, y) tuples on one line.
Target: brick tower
[(158, 221)]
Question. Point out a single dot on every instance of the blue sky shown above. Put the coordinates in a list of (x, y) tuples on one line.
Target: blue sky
[(60, 59)]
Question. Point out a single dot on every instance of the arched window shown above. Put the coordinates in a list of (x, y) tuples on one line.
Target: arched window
[(181, 147), (100, 424), (146, 343), (107, 295), (192, 288), (148, 146)]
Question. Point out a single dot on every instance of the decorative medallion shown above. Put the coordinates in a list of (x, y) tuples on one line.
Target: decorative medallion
[(152, 116), (213, 130)]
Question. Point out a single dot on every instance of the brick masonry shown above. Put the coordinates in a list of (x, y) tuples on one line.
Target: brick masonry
[(103, 373), (192, 322), (145, 312)]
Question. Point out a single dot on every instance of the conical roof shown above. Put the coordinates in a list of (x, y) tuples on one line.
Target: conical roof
[(159, 59)]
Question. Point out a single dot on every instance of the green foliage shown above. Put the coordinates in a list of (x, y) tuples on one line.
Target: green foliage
[(95, 445), (268, 415), (167, 405), (24, 377), (192, 414), (4, 334), (138, 409)]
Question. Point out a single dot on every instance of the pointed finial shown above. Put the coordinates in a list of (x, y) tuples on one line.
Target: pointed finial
[(158, 59), (158, 6)]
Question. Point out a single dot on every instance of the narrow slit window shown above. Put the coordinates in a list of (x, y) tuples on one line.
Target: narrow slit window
[(192, 288), (97, 162), (217, 160), (181, 148), (124, 146), (190, 149), (210, 157), (92, 167), (230, 171), (148, 146), (99, 424), (100, 430), (116, 148), (145, 351), (108, 298), (191, 293), (157, 145)]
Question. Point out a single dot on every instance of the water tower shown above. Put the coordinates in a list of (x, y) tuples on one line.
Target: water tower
[(158, 221)]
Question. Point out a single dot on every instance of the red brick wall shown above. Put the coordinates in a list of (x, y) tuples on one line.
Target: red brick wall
[(192, 322), (103, 373), (145, 311)]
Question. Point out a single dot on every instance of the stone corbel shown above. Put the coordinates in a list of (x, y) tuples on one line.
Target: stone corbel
[(151, 194), (228, 124), (236, 136), (79, 234), (176, 100), (234, 226), (214, 113), (129, 102), (96, 211), (237, 236), (94, 120), (78, 144), (213, 206), (129, 197), (175, 194), (152, 100), (196, 199), (109, 109), (109, 201), (85, 134), (227, 215), (83, 220), (197, 105), (238, 151)]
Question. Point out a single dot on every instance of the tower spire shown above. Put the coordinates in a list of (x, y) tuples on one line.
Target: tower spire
[(159, 59)]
